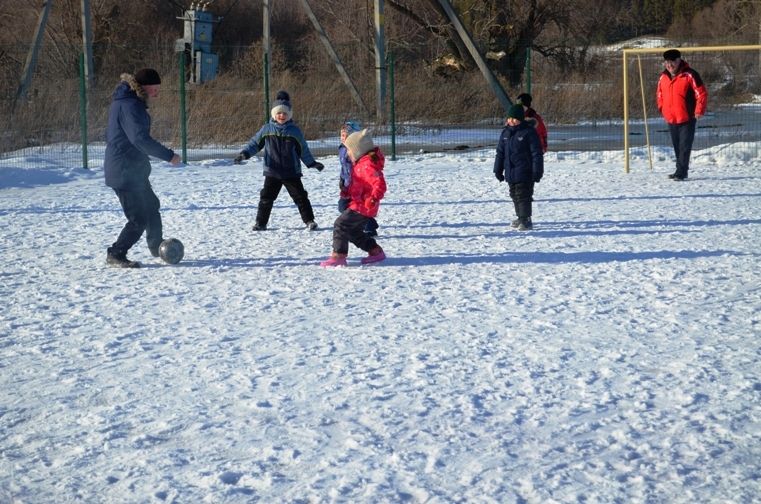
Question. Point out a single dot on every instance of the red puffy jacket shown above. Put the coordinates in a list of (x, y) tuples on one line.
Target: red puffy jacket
[(683, 96), (367, 183), (538, 123)]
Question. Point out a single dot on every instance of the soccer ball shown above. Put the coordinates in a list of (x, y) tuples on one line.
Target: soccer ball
[(171, 250)]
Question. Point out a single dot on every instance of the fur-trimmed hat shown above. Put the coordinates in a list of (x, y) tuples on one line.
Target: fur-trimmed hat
[(359, 143), (282, 104), (147, 77), (672, 54), (516, 112)]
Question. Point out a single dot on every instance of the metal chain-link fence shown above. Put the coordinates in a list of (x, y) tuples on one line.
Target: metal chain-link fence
[(433, 110)]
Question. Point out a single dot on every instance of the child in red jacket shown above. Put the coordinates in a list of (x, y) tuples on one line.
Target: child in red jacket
[(533, 118), (367, 188)]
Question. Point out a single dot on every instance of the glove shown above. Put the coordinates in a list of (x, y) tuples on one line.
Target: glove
[(317, 166), (500, 177), (240, 157)]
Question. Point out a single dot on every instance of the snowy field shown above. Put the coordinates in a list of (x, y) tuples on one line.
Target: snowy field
[(610, 355)]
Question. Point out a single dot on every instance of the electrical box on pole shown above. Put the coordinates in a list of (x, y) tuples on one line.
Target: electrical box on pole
[(201, 64)]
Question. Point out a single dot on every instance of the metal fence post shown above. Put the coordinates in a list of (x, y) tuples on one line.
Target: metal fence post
[(392, 100), (183, 113), (528, 69)]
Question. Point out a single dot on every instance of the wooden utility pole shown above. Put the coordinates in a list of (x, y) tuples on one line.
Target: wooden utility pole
[(332, 53), (34, 51), (476, 54), (380, 63), (267, 47)]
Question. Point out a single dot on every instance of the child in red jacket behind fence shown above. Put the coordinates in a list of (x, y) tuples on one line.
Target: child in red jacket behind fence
[(367, 188)]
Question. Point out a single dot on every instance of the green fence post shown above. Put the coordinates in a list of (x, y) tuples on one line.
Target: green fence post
[(392, 100), (183, 113), (528, 69), (83, 110), (266, 88)]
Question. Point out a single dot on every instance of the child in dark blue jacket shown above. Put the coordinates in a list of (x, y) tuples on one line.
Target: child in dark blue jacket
[(519, 161), (284, 150)]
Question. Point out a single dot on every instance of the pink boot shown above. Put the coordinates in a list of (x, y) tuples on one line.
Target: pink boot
[(376, 255), (335, 260)]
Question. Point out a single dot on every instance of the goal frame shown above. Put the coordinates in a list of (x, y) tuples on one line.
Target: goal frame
[(659, 50)]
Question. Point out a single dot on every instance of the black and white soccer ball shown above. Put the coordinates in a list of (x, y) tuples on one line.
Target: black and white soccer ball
[(171, 250)]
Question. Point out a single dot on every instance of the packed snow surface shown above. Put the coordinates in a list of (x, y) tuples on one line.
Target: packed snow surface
[(610, 355)]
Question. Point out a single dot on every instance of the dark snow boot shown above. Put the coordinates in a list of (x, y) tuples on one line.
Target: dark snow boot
[(524, 215), (525, 224), (263, 214), (119, 260)]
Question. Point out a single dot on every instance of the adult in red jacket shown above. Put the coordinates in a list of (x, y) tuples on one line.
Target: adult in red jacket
[(682, 98)]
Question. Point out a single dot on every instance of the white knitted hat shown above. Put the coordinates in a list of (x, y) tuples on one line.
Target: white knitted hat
[(359, 143), (282, 104)]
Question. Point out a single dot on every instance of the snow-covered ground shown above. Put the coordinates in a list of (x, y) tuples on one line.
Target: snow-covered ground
[(610, 355)]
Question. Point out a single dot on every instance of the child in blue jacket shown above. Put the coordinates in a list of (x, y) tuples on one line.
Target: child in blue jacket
[(284, 150), (520, 162)]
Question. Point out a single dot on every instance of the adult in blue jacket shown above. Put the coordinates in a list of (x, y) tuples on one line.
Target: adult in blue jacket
[(127, 166), (520, 162), (284, 150)]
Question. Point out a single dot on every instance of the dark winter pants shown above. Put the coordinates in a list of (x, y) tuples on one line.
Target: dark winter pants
[(682, 136), (271, 189), (522, 194), (141, 208), (350, 227), (372, 224)]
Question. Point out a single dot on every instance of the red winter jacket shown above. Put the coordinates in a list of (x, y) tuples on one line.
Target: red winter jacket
[(538, 123), (683, 96), (367, 183)]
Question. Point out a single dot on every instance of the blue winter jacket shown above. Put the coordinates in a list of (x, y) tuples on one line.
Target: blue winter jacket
[(284, 148), (128, 138), (346, 164), (519, 154)]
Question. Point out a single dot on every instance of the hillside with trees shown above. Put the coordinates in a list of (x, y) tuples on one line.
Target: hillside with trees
[(436, 79)]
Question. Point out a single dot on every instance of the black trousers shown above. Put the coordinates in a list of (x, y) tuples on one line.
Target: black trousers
[(141, 208), (270, 191), (372, 224), (682, 136), (350, 228), (522, 194)]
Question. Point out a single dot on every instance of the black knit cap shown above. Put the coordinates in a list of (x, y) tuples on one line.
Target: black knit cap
[(283, 98), (524, 99), (672, 54), (147, 77)]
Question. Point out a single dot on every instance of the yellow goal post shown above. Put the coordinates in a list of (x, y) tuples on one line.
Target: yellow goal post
[(659, 50)]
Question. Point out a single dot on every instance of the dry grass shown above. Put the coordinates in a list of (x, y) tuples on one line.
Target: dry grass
[(228, 110)]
